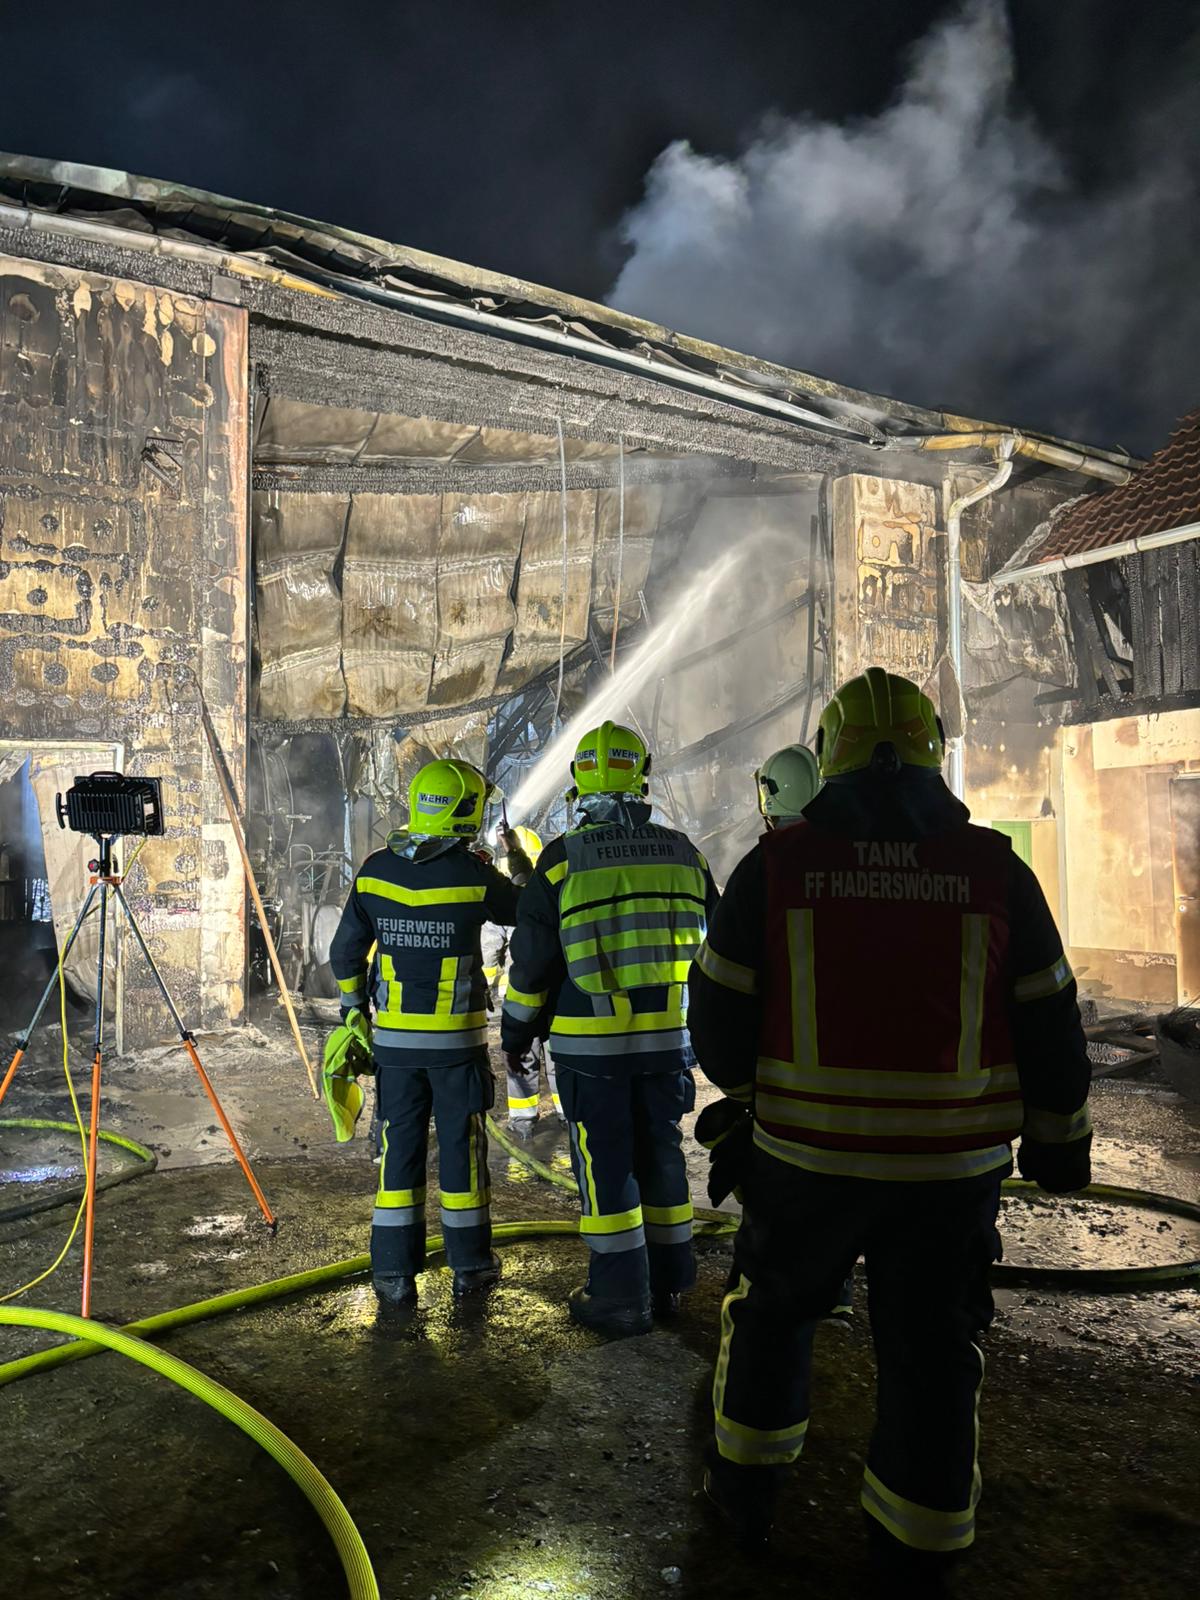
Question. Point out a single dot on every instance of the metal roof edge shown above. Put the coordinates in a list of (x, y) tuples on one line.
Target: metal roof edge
[(114, 184)]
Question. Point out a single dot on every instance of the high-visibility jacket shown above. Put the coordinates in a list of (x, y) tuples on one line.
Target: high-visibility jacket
[(867, 994), (606, 933), (425, 905)]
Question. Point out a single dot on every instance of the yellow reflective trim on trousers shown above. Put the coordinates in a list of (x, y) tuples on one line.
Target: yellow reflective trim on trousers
[(585, 1156), (616, 1222), (804, 992), (520, 998), (914, 1525), (721, 1373), (470, 1201), (921, 1527), (528, 1104), (556, 873), (666, 1216), (765, 1435), (396, 1199), (975, 936), (869, 1085), (352, 985), (739, 1442), (867, 1121), (462, 895), (743, 1093), (1050, 980), (383, 1150), (729, 974), (1049, 1127)]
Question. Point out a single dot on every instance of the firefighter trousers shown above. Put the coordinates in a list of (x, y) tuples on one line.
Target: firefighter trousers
[(524, 1087), (457, 1096), (928, 1248), (627, 1156)]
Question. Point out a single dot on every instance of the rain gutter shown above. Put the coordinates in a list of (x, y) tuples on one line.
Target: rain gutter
[(336, 286), (1108, 552), (1051, 455)]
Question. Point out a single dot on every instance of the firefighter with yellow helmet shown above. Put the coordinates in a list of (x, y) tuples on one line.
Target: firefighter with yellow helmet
[(884, 989), (605, 935), (423, 900)]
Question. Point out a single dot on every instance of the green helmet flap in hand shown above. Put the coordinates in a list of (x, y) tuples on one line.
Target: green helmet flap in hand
[(446, 800)]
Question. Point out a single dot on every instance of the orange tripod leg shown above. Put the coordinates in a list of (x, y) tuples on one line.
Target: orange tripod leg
[(268, 1214), (90, 1216), (9, 1075)]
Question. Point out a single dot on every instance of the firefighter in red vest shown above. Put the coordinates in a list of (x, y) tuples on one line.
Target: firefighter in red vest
[(884, 989)]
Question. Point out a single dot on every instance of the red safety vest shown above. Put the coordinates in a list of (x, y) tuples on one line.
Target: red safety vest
[(884, 1047)]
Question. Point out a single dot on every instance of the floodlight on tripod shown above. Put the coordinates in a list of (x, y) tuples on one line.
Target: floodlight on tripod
[(108, 805)]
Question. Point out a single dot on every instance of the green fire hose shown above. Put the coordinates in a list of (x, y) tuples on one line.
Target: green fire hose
[(146, 1162), (319, 1492), (89, 1338)]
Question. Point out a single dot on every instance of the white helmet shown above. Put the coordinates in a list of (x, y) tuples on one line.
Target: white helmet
[(787, 781)]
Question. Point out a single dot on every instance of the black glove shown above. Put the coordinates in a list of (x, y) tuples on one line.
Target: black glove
[(515, 1062), (726, 1130), (1057, 1168)]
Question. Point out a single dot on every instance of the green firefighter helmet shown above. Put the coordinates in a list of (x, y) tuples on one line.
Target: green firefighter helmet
[(875, 709), (786, 782), (611, 760), (446, 800)]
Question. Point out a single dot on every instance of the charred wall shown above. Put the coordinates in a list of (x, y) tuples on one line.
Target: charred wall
[(123, 549)]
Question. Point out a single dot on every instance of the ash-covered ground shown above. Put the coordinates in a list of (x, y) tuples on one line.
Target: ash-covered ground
[(492, 1449)]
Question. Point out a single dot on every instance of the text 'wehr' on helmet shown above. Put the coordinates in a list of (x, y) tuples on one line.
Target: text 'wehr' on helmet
[(446, 799), (611, 759)]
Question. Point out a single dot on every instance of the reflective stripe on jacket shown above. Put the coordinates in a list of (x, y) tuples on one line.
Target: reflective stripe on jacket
[(899, 1061), (631, 908), (889, 987), (429, 989), (664, 880)]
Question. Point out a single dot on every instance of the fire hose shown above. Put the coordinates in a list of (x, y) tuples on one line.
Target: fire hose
[(90, 1337)]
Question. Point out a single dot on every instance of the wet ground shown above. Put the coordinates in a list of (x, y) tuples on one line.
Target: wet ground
[(492, 1449)]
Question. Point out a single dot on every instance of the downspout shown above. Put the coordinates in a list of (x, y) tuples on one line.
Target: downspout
[(1005, 447)]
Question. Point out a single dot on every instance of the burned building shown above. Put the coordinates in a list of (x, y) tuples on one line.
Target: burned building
[(364, 504)]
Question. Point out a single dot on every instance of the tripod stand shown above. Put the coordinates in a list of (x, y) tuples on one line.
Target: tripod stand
[(104, 878)]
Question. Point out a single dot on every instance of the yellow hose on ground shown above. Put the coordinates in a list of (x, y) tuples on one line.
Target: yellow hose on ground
[(14, 1294), (352, 1553)]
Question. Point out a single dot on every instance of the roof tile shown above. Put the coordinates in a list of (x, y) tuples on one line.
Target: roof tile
[(1164, 494)]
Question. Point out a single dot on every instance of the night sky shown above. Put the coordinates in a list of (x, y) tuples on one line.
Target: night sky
[(520, 137)]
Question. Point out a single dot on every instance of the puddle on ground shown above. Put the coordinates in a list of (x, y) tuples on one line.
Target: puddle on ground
[(1062, 1231)]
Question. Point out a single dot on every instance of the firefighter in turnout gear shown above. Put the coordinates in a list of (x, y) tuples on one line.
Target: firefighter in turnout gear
[(884, 985), (424, 899), (524, 1074), (605, 935)]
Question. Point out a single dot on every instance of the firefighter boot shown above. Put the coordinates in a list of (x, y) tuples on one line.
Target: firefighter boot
[(472, 1279), (395, 1288), (618, 1319), (744, 1497)]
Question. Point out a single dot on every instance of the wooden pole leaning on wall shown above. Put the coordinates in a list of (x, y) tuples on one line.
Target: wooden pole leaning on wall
[(218, 756)]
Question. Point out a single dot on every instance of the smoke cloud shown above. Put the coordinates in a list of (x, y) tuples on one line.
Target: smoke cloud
[(941, 252)]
